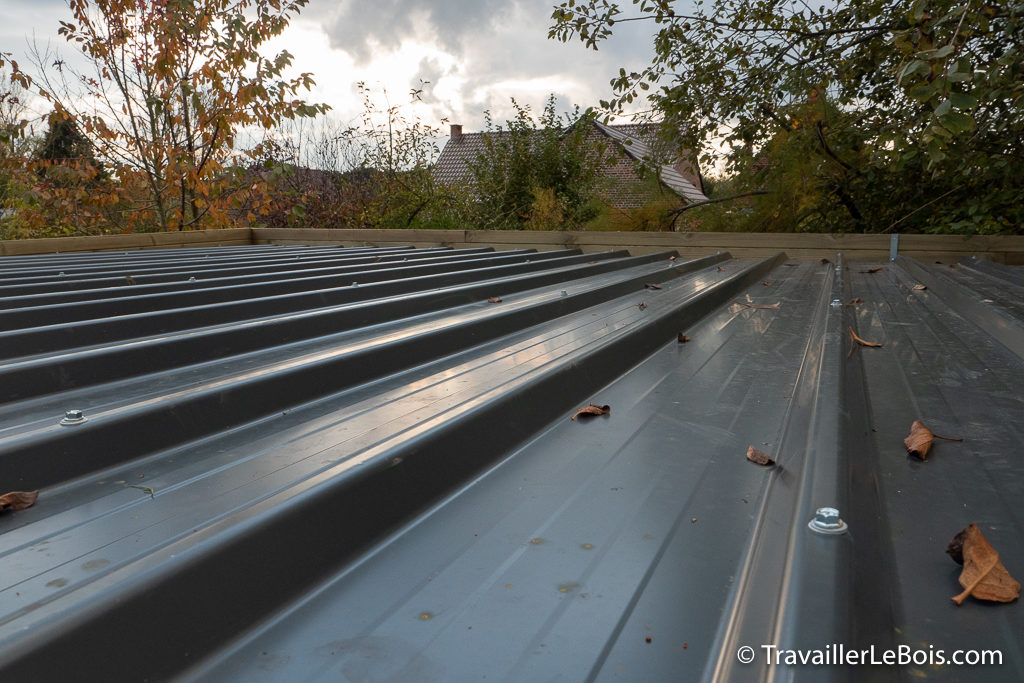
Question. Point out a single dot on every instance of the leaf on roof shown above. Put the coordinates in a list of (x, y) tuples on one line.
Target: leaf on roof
[(919, 441), (129, 279), (651, 285), (720, 269), (759, 457), (983, 576), (494, 299), (873, 270), (766, 283), (641, 305), (856, 300), (682, 338), (863, 342), (592, 411), (18, 500), (825, 260), (920, 288)]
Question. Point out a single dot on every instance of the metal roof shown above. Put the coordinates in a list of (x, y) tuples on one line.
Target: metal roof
[(321, 463)]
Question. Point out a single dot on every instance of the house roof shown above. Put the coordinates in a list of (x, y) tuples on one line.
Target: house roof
[(639, 141), (323, 463)]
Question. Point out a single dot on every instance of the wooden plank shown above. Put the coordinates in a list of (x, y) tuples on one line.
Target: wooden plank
[(132, 241)]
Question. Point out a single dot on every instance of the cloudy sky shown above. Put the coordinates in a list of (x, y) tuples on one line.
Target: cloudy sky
[(473, 54)]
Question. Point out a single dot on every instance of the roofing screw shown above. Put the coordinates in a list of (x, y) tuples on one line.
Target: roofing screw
[(565, 293), (73, 417), (355, 284), (826, 521), (192, 279), (60, 274), (836, 303)]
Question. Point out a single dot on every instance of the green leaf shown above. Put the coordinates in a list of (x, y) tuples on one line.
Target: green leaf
[(943, 108), (922, 93), (957, 123), (963, 101)]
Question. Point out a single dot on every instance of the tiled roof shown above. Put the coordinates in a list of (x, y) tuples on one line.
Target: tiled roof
[(325, 464), (640, 141)]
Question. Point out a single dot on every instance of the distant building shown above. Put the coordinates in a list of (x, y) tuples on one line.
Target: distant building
[(636, 143)]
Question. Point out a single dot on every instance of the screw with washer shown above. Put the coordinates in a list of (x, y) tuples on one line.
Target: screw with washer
[(73, 417), (827, 521)]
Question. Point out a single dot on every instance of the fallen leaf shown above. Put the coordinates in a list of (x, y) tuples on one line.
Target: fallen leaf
[(18, 500), (759, 457), (873, 270), (774, 305), (919, 441), (129, 279), (856, 300), (672, 258), (494, 299), (641, 305), (862, 342), (766, 283), (591, 262), (682, 338), (592, 411), (720, 269), (984, 576), (651, 285), (647, 639), (920, 288), (825, 260)]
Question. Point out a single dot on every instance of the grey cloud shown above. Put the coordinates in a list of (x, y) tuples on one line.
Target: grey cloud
[(357, 25)]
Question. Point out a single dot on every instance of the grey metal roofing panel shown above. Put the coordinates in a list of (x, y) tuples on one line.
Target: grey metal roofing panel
[(287, 477)]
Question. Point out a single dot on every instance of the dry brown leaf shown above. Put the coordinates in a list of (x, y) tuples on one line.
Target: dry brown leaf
[(920, 288), (825, 260), (682, 338), (873, 270), (919, 441), (494, 299), (129, 279), (720, 269), (672, 258), (984, 576), (766, 283), (759, 457), (592, 411), (651, 285), (863, 342), (18, 500), (641, 305), (856, 300)]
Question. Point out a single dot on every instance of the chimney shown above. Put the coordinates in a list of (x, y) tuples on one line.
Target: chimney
[(456, 131)]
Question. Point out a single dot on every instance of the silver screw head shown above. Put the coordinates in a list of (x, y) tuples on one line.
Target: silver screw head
[(836, 303), (827, 521), (73, 417)]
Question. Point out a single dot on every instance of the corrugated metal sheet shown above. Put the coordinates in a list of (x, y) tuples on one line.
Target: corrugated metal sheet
[(332, 464)]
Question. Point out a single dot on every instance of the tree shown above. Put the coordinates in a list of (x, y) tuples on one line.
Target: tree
[(893, 116), (539, 173), (173, 84)]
